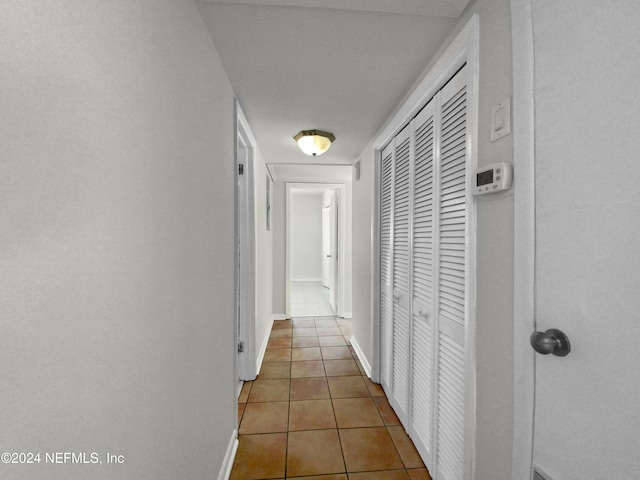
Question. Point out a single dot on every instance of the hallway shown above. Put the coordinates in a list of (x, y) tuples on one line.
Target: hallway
[(313, 414)]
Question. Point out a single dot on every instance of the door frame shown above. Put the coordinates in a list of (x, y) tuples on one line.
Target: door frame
[(524, 238), (341, 244), (245, 250)]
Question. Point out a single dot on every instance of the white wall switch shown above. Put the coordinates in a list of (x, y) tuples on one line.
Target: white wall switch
[(501, 119)]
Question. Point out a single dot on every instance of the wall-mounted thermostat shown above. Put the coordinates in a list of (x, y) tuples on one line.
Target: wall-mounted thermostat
[(493, 178)]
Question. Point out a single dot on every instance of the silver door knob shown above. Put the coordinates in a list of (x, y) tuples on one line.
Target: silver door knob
[(552, 341)]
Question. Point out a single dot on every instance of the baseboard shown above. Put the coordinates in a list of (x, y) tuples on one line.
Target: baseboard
[(263, 348), (306, 279), (279, 316), (347, 315), (229, 457), (361, 357)]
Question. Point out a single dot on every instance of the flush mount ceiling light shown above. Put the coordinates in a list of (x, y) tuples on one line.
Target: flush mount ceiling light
[(314, 142)]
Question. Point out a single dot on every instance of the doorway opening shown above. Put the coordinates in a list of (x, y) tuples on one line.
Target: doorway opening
[(315, 240)]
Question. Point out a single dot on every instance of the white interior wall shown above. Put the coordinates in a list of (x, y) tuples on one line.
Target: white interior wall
[(494, 309), (306, 236), (116, 292)]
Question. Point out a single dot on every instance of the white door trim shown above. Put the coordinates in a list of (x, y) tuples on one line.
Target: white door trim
[(246, 245), (524, 238), (342, 266)]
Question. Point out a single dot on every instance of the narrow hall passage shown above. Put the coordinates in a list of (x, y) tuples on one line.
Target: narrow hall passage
[(312, 413)]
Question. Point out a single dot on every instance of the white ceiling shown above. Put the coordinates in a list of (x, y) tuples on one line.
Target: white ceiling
[(337, 65)]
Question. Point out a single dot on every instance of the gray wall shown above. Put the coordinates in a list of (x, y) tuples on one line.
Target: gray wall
[(494, 310), (306, 236), (279, 210), (116, 309)]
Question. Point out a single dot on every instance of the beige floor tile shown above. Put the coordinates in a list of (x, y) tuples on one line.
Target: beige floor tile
[(369, 449), (356, 412), (260, 456), (271, 417), (277, 355), (311, 415), (336, 353), (386, 411), (309, 388), (273, 370), (332, 341), (341, 368), (383, 475), (408, 453), (315, 452), (419, 474), (269, 391), (307, 353), (305, 342), (307, 368), (348, 387)]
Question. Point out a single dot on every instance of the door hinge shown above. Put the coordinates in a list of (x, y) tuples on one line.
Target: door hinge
[(240, 347), (241, 169)]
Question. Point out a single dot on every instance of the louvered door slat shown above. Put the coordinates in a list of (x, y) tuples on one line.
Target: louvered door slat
[(450, 409), (422, 275), (401, 327), (386, 297), (451, 297)]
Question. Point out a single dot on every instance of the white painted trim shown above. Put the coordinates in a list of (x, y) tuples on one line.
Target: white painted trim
[(229, 457), (306, 280), (263, 348), (463, 49), (361, 356), (342, 239), (524, 238), (347, 315), (278, 316)]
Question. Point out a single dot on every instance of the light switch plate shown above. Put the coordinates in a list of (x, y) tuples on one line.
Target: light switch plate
[(501, 119)]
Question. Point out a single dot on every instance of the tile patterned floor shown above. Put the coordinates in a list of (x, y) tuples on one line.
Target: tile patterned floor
[(313, 414)]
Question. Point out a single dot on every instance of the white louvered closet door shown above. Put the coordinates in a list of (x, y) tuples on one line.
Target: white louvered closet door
[(424, 229), (452, 280), (422, 294), (402, 194), (386, 265)]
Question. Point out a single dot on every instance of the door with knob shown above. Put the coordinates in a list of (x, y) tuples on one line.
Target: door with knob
[(586, 296)]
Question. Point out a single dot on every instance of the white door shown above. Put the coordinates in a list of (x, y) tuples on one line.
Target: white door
[(402, 200), (326, 246), (386, 265), (245, 262), (587, 231)]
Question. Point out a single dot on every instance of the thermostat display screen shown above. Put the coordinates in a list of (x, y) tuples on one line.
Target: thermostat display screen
[(493, 178), (484, 178)]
